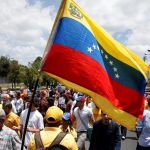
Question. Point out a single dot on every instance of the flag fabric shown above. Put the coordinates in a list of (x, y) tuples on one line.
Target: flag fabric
[(83, 56)]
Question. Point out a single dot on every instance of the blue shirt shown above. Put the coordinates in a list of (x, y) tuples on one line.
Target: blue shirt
[(144, 124)]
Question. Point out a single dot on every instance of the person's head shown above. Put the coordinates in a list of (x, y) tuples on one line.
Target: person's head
[(7, 107), (18, 94), (36, 102), (66, 120), (2, 118), (50, 101), (53, 116), (80, 101), (105, 119), (5, 98)]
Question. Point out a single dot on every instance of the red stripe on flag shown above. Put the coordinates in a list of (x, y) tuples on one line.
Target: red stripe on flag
[(129, 100), (81, 69)]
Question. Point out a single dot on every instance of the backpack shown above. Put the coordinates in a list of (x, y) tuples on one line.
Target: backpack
[(53, 146)]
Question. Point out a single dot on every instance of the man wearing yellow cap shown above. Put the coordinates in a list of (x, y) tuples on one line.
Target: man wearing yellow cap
[(53, 119)]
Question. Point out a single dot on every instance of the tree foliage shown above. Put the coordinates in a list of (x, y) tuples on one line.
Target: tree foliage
[(14, 72), (4, 66), (17, 73)]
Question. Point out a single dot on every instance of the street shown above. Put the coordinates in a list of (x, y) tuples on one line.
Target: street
[(130, 142)]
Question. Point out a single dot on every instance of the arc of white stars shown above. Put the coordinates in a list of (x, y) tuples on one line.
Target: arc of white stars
[(90, 49)]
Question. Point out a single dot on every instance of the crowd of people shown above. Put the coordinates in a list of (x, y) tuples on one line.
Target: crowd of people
[(62, 118)]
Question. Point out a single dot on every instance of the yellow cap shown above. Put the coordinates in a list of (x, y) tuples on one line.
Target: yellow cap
[(53, 114)]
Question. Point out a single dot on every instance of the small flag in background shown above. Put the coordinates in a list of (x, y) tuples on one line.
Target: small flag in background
[(82, 56)]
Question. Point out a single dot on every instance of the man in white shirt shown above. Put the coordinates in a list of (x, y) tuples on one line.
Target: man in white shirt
[(18, 103), (35, 123), (83, 115)]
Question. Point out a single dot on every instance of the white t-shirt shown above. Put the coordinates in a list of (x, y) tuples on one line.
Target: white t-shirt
[(61, 100), (18, 103), (35, 121), (85, 113)]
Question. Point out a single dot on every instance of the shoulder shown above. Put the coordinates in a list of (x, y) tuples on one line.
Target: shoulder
[(38, 114), (23, 114), (24, 111), (146, 112), (97, 123), (75, 110), (69, 142), (87, 110), (13, 115), (9, 131), (114, 125)]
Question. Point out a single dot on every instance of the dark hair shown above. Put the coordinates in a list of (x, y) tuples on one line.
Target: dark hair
[(8, 105), (50, 101)]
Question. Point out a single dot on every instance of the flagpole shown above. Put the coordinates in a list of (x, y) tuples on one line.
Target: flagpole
[(29, 110)]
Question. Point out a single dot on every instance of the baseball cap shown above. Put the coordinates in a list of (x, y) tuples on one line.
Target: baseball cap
[(66, 116), (53, 114), (2, 113), (80, 99)]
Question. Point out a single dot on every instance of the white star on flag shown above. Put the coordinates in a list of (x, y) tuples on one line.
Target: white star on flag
[(94, 46), (115, 69), (102, 51), (97, 47), (111, 62), (90, 49), (106, 56), (117, 76)]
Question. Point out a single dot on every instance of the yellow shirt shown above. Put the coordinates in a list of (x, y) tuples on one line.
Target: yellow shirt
[(49, 134), (72, 131), (1, 106), (12, 120)]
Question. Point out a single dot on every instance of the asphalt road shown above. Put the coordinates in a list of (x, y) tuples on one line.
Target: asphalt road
[(130, 142)]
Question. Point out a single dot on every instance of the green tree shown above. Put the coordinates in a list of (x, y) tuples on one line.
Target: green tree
[(4, 66), (14, 74), (33, 68)]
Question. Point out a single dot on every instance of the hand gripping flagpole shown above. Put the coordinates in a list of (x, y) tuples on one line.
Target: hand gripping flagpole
[(29, 110)]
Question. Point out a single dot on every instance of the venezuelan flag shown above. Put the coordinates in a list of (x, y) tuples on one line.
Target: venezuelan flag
[(81, 55)]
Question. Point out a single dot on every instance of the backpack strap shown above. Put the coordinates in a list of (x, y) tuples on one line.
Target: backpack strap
[(84, 124), (58, 139), (38, 141)]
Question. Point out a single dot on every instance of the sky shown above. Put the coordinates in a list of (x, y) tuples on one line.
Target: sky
[(26, 24)]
